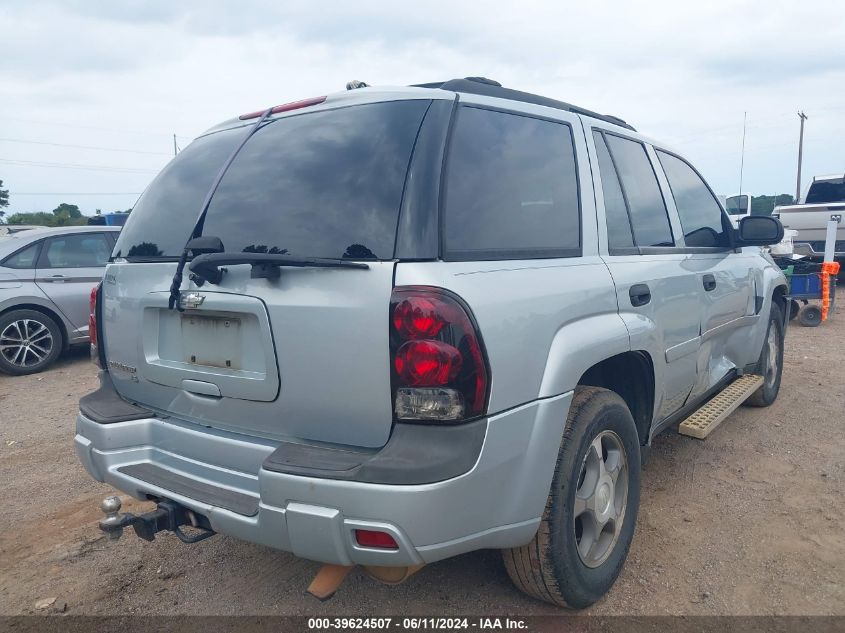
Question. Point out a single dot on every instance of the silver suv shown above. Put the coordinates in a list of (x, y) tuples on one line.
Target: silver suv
[(415, 322), (46, 278)]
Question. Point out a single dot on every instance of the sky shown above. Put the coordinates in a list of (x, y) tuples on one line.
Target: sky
[(91, 92)]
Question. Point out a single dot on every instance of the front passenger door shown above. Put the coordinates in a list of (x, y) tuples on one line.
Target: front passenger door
[(68, 267), (726, 276)]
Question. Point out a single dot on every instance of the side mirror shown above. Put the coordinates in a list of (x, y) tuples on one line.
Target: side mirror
[(759, 230)]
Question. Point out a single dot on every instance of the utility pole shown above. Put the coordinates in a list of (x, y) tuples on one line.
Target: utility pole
[(176, 148), (742, 160), (803, 118)]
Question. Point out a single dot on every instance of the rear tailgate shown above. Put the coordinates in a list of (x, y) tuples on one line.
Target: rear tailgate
[(305, 358), (306, 354)]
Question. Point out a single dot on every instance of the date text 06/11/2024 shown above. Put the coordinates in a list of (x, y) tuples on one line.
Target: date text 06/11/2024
[(418, 623)]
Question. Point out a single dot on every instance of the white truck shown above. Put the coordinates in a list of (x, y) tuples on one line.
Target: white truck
[(738, 207), (823, 201)]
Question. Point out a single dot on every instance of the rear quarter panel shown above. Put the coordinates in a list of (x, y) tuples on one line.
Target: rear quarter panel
[(544, 322)]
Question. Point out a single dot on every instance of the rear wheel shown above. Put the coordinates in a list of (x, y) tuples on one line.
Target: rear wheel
[(770, 365), (588, 524), (30, 342)]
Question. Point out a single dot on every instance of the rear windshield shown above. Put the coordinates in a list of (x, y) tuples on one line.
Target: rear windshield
[(321, 184), (825, 191)]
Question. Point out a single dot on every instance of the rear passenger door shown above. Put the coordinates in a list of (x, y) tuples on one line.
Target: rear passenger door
[(657, 293), (726, 278), (68, 267)]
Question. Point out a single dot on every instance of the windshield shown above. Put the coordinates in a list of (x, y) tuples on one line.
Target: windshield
[(824, 191), (321, 184), (737, 205)]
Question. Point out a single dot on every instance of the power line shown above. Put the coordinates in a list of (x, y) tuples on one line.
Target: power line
[(89, 127), (103, 149), (33, 163), (74, 193)]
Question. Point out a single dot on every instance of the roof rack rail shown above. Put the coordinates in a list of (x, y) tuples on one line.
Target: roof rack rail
[(491, 88)]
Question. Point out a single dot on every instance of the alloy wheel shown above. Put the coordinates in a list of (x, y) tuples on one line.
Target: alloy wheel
[(26, 343), (601, 498)]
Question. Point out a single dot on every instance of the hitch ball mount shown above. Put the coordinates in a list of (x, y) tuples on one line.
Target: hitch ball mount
[(168, 515)]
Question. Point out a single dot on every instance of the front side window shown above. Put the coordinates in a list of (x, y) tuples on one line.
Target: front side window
[(24, 258), (76, 251), (511, 188), (649, 217), (699, 211)]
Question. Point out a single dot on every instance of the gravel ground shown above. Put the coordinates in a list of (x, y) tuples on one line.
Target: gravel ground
[(749, 521)]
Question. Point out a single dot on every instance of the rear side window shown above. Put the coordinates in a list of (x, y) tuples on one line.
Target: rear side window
[(24, 258), (511, 188), (649, 218), (619, 231), (699, 211), (76, 251)]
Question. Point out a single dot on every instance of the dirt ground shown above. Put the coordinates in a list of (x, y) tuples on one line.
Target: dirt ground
[(749, 521)]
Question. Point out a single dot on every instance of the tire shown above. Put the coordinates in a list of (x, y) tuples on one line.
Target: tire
[(794, 308), (770, 369), (550, 567), (45, 342), (810, 316)]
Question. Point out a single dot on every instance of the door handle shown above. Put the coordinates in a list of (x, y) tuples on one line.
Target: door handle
[(709, 282), (53, 279), (640, 295)]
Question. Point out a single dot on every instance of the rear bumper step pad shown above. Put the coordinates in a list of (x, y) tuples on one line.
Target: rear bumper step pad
[(237, 502)]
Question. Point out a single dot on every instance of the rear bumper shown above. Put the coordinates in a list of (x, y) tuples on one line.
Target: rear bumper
[(497, 503)]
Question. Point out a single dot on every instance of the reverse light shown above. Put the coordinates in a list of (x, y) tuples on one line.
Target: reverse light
[(375, 538), (286, 107), (438, 365)]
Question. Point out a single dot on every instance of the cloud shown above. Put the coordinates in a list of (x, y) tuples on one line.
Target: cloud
[(130, 74)]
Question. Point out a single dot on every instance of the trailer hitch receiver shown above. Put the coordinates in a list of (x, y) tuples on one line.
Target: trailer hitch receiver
[(168, 515)]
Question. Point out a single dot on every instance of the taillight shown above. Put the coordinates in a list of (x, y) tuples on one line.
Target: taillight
[(92, 324), (438, 366)]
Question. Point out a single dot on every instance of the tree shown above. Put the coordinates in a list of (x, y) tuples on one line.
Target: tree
[(71, 210), (4, 200), (763, 205)]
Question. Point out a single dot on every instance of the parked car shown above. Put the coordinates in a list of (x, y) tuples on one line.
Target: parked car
[(416, 322), (46, 277)]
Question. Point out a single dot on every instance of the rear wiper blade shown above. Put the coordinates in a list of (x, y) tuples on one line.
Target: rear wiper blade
[(209, 267)]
